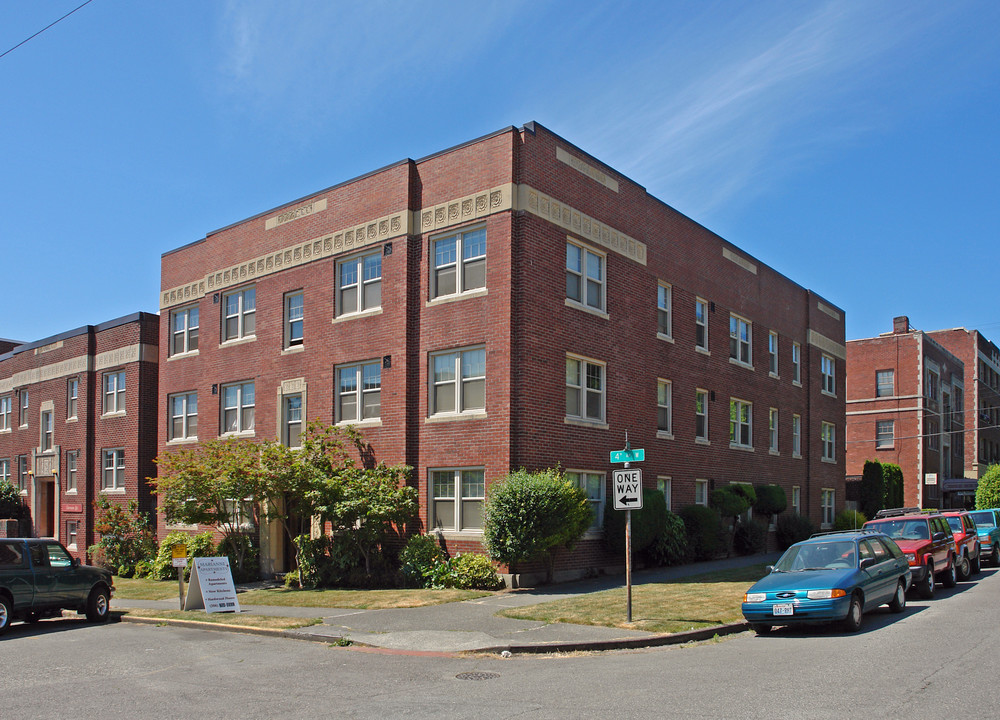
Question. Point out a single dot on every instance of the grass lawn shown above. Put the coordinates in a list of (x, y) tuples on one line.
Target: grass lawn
[(684, 604), (242, 620)]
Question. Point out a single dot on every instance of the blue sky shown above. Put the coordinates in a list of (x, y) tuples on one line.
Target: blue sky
[(853, 146)]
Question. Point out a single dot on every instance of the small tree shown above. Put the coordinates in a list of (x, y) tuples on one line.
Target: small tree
[(892, 476), (731, 501), (528, 515), (126, 538), (12, 506), (873, 496), (988, 489)]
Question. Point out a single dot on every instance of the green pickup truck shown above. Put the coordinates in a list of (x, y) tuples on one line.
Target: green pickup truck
[(39, 578)]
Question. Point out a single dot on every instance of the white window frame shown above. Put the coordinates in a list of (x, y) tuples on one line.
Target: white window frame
[(25, 405), (458, 497), (113, 470), (664, 311), (292, 406), (590, 481), (828, 502), (738, 344), (736, 425), (241, 408), (294, 318), (467, 241), (797, 499), (72, 398), (361, 390), (664, 403), (357, 273), (702, 438), (5, 471), (885, 434), (828, 437), (796, 436), (72, 466), (72, 534), (772, 431), (583, 279), (462, 360), (184, 326), (47, 430), (796, 364), (880, 385), (186, 414), (701, 492), (580, 386), (828, 373), (244, 314), (114, 384), (701, 323), (772, 353), (665, 485), (23, 481), (6, 410)]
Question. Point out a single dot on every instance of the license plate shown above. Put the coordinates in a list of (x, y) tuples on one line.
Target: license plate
[(783, 609)]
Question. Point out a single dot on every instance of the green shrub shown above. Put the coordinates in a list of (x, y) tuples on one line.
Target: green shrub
[(248, 551), (771, 500), (126, 537), (474, 571), (849, 520), (647, 523), (671, 547), (988, 489), (12, 506), (326, 561), (750, 538), (161, 568), (704, 532), (792, 528), (423, 563)]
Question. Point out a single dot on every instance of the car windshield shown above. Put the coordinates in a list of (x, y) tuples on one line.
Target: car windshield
[(904, 529), (955, 523), (836, 554), (984, 518)]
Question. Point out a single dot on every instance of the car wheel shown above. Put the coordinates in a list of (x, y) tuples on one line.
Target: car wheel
[(949, 576), (98, 605), (5, 614), (760, 628), (898, 602), (964, 569), (926, 588), (977, 564), (995, 556), (853, 620)]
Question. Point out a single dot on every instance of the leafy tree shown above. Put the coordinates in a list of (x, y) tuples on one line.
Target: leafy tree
[(126, 537), (731, 501), (892, 476), (873, 496), (12, 507), (988, 489), (771, 500), (528, 515)]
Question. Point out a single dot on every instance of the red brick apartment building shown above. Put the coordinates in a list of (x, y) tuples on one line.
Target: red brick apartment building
[(78, 421), (508, 302), (905, 405)]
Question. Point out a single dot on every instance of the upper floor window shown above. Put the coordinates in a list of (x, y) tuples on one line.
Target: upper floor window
[(22, 473), (457, 497), (184, 330), (458, 383), (796, 363), (664, 392), (459, 263), (240, 308), (701, 492), (772, 353), (359, 392), (663, 311), (828, 437), (585, 276), (796, 435), (701, 414), (25, 405), (71, 462), (4, 471), (584, 389), (113, 476), (5, 412), (827, 498), (885, 433), (933, 435), (740, 340), (593, 484), (291, 420), (183, 409), (772, 430), (933, 385), (828, 371), (294, 311), (740, 423), (796, 499), (701, 324), (72, 397), (47, 430), (238, 405), (359, 283), (114, 392)]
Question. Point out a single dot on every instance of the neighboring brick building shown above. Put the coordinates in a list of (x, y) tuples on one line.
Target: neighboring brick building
[(905, 400), (78, 420), (981, 417), (508, 302)]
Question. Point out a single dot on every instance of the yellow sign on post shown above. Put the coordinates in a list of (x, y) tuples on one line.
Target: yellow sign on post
[(180, 561)]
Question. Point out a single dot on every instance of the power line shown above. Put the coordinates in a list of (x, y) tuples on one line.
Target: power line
[(44, 29)]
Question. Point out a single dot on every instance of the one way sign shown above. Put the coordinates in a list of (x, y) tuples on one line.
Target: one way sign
[(628, 489)]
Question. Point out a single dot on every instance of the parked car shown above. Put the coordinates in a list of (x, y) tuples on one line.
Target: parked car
[(988, 527), (831, 577), (963, 528), (926, 539), (39, 578)]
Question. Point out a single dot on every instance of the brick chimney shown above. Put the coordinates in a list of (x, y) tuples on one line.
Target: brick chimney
[(900, 325)]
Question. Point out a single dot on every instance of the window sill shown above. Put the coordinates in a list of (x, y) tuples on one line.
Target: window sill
[(580, 422), (702, 441), (24, 493), (457, 534), (119, 413), (357, 315), (702, 350), (734, 361), (242, 433), (113, 492), (774, 375), (797, 456), (665, 338), (587, 309), (186, 354), (456, 417), (6, 431), (456, 297), (664, 435), (744, 448), (182, 441), (73, 419), (774, 452), (70, 492), (369, 423), (828, 394), (238, 341), (293, 350), (797, 383), (885, 447), (828, 461)]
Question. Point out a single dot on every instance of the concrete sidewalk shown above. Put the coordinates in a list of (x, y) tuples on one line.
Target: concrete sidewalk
[(473, 625)]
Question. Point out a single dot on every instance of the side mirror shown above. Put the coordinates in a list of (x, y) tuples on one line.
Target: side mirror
[(76, 562), (938, 536), (867, 563), (768, 569)]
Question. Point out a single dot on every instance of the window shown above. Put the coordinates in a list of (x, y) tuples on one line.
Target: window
[(22, 474), (593, 484), (72, 529), (796, 363), (932, 385), (772, 353), (772, 430), (827, 370), (740, 340), (240, 319), (828, 432), (458, 383), (5, 412), (238, 408), (740, 423), (459, 263), (701, 492), (885, 383), (701, 415), (796, 499), (359, 392), (663, 303), (25, 403), (113, 477), (72, 397), (664, 392), (184, 330), (584, 389), (827, 503), (47, 430), (183, 410), (457, 499), (71, 462), (933, 437), (114, 392), (584, 276), (294, 311), (5, 471), (701, 324), (359, 284), (665, 486), (796, 436), (240, 514), (884, 433), (291, 420)]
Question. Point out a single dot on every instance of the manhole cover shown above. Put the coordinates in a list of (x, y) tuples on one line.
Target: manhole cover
[(477, 676)]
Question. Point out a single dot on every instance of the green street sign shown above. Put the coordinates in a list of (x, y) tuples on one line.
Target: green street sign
[(624, 456)]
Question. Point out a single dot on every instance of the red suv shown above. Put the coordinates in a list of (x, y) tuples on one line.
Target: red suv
[(967, 542), (926, 539)]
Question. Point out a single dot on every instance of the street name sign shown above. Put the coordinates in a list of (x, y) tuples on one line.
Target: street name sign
[(628, 489), (624, 456)]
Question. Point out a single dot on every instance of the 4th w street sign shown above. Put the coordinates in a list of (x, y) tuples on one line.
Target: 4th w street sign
[(628, 489)]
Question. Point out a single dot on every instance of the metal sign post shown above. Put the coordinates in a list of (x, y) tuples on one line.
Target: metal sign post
[(628, 495), (179, 558)]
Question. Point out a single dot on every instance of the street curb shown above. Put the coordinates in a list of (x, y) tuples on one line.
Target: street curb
[(222, 627)]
